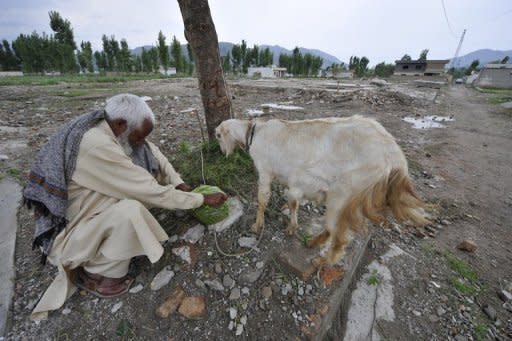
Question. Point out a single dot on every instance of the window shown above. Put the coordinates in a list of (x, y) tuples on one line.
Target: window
[(405, 67), (418, 67)]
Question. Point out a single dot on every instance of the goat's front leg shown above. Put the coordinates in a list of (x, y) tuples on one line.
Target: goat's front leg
[(264, 183), (293, 204)]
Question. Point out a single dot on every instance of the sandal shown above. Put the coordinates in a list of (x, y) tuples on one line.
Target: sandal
[(101, 286)]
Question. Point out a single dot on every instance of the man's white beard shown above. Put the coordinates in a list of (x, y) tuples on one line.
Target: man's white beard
[(123, 140)]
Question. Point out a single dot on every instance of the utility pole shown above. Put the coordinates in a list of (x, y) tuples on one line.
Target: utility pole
[(454, 61)]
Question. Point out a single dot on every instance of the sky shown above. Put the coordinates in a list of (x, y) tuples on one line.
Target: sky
[(382, 30)]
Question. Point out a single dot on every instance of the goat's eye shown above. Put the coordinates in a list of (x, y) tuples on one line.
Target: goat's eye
[(217, 135)]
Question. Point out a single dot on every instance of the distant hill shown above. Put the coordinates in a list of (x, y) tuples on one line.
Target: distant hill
[(225, 47), (484, 56)]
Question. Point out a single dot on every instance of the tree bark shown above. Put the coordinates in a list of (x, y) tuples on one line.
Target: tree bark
[(202, 37)]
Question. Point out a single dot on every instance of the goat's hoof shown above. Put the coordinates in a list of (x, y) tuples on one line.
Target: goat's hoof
[(256, 228), (291, 230)]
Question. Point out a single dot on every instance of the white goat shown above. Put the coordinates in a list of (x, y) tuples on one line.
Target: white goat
[(352, 164)]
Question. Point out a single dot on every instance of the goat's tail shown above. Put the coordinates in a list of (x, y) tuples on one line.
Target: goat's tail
[(392, 192)]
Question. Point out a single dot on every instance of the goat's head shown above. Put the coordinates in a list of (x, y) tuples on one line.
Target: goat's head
[(230, 133)]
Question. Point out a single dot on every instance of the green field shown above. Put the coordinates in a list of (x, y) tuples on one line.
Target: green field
[(53, 80)]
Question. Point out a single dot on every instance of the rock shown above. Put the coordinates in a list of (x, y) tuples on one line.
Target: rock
[(250, 276), (508, 306), (467, 245), (194, 234), (285, 289), (266, 292), (232, 313), (193, 307), (329, 274), (67, 311), (187, 253), (162, 278), (214, 285), (243, 320), (231, 325), (419, 233), (136, 289), (300, 292), (171, 303), (218, 268), (378, 82), (239, 329), (116, 307), (180, 213), (173, 239), (245, 290), (260, 265), (236, 210), (228, 282), (490, 312), (416, 313), (433, 318), (505, 296), (445, 222), (247, 242), (235, 294), (200, 284), (440, 311), (3, 157)]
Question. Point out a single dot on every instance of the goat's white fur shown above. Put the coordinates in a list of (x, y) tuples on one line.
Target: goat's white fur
[(330, 159)]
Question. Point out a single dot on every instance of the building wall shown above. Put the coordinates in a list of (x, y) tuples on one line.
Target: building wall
[(495, 78), (265, 72)]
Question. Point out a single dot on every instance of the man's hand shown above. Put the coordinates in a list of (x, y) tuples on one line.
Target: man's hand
[(184, 187), (215, 199)]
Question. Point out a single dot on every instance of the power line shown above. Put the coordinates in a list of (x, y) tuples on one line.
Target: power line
[(448, 21)]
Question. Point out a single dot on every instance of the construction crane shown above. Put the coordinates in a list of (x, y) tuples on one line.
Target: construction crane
[(454, 60)]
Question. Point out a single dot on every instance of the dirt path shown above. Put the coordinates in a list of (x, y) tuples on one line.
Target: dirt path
[(477, 165)]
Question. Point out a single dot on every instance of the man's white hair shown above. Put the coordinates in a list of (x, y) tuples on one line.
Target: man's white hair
[(131, 108)]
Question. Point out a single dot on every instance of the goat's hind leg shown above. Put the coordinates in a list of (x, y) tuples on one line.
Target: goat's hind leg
[(335, 228)]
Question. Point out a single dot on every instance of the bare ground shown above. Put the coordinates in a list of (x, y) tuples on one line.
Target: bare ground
[(463, 171)]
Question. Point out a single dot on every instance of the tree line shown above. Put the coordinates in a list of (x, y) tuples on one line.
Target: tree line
[(39, 53)]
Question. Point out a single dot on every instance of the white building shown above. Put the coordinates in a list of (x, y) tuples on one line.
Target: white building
[(266, 72), (170, 71)]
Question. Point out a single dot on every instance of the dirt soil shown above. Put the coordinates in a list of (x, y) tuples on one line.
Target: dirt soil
[(464, 172)]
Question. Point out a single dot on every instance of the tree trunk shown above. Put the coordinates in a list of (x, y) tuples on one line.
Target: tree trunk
[(202, 37)]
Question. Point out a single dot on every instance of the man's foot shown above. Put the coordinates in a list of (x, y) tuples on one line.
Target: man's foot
[(101, 286)]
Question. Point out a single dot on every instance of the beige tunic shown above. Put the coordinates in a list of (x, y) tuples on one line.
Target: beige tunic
[(108, 218)]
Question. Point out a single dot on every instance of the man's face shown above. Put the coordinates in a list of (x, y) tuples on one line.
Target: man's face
[(138, 136)]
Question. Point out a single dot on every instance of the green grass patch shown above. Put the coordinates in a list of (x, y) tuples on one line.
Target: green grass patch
[(466, 281), (374, 278), (499, 95), (73, 93), (235, 174), (53, 80), (480, 331)]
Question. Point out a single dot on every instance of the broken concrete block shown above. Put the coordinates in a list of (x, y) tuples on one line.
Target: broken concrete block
[(298, 260), (467, 245), (171, 303), (193, 307)]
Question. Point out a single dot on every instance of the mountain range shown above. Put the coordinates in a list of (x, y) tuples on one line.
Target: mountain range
[(225, 47), (484, 55)]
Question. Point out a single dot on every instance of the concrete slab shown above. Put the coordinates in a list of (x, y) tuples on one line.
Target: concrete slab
[(296, 258), (9, 201), (507, 105)]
